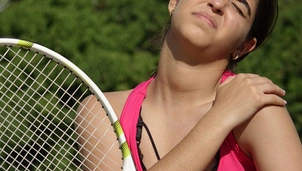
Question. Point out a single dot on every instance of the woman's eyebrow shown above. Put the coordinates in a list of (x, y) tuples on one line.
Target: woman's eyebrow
[(247, 5)]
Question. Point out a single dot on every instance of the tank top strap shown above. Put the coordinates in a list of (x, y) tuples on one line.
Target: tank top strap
[(129, 118)]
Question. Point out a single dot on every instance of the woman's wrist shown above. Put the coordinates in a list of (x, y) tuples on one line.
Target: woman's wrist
[(220, 121)]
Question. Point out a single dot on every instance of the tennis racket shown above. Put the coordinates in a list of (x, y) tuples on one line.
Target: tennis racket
[(53, 116), (4, 4)]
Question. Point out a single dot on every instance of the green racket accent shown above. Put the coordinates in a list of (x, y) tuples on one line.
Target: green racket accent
[(125, 150), (124, 147), (118, 128), (25, 44)]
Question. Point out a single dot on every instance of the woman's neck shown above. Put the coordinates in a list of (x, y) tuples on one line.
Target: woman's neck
[(180, 83)]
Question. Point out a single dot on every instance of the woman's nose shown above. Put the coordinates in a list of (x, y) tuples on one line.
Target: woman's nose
[(218, 6)]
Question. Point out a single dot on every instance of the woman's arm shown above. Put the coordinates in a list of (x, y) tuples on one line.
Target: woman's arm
[(237, 100), (197, 149), (272, 140)]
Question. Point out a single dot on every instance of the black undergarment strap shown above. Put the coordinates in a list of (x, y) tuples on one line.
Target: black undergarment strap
[(138, 141), (140, 125), (217, 158)]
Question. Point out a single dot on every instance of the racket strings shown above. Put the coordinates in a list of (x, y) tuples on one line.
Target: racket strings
[(104, 122), (38, 110), (16, 103)]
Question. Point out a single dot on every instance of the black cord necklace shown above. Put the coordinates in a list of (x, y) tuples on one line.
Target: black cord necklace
[(140, 125)]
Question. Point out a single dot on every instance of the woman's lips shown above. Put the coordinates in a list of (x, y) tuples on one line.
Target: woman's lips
[(206, 18)]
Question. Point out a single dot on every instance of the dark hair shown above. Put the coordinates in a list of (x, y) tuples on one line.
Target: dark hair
[(264, 23)]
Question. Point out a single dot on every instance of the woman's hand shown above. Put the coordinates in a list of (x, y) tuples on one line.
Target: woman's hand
[(241, 96), (237, 100)]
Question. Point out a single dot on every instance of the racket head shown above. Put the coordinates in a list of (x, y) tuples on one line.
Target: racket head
[(53, 116), (4, 4)]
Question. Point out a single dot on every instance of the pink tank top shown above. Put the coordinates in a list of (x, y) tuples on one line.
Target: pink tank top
[(231, 156)]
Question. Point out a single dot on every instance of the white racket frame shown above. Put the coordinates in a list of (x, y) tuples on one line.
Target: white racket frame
[(128, 164)]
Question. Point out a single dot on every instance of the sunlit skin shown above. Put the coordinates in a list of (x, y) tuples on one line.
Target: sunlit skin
[(190, 113), (194, 34)]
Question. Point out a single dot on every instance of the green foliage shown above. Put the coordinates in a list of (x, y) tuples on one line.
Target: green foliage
[(110, 41), (104, 38)]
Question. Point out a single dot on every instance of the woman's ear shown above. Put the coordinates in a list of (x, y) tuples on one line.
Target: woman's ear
[(246, 47), (172, 5)]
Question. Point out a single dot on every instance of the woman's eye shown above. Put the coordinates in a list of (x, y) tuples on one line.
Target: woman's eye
[(238, 9)]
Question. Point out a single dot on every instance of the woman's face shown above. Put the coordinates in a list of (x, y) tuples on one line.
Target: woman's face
[(212, 24)]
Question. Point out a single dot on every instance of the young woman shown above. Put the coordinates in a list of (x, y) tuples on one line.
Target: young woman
[(201, 116)]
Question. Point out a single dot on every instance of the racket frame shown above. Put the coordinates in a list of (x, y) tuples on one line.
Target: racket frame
[(128, 164)]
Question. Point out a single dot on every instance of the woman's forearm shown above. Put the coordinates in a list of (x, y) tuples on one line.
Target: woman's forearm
[(198, 148)]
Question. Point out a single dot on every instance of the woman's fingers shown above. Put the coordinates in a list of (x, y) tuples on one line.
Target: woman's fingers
[(243, 95), (254, 83), (272, 89), (272, 99)]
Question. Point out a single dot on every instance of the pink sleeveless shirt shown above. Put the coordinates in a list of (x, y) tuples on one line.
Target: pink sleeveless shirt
[(231, 156)]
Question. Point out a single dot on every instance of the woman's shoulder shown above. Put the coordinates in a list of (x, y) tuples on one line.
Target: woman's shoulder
[(117, 100), (267, 136)]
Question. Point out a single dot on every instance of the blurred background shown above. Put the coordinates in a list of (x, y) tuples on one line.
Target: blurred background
[(111, 40)]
